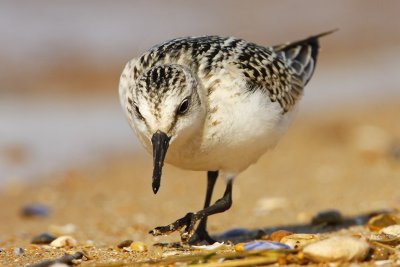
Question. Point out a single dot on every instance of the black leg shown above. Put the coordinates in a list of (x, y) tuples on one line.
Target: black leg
[(186, 224), (201, 234)]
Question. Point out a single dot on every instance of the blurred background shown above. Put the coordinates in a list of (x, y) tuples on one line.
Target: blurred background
[(60, 63)]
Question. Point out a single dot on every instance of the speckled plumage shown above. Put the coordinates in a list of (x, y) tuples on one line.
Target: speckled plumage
[(217, 103)]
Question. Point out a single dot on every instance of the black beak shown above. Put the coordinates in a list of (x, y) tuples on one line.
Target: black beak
[(160, 143)]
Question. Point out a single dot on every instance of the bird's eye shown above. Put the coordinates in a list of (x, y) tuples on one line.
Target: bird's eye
[(138, 114), (184, 106)]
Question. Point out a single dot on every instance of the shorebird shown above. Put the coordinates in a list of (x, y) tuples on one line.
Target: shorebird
[(214, 104)]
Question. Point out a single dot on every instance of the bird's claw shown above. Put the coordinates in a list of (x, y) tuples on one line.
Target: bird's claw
[(184, 225)]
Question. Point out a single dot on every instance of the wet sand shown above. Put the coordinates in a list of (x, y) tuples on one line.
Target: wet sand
[(348, 160)]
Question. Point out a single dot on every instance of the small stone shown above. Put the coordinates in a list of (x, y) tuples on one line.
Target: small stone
[(278, 235), (382, 220), (64, 241), (392, 230), (138, 246), (329, 217), (44, 238), (298, 241), (35, 210), (337, 248), (125, 243), (260, 245), (234, 233), (19, 252)]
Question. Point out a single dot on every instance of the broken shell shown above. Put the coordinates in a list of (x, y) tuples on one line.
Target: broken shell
[(337, 248), (278, 235), (214, 247), (44, 238), (393, 230), (138, 246), (298, 241), (382, 220), (260, 245), (64, 241)]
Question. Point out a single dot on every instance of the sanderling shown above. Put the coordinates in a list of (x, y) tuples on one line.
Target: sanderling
[(214, 104)]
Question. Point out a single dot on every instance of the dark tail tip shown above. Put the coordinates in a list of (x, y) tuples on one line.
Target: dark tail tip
[(302, 55)]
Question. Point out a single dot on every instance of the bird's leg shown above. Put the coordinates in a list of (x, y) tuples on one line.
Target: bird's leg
[(186, 224), (201, 234)]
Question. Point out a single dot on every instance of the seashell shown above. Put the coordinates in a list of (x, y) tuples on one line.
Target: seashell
[(214, 247), (138, 246), (260, 245), (297, 241), (392, 230), (278, 235), (64, 241), (337, 248), (382, 220)]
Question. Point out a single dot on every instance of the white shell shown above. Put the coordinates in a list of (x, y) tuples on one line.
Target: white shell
[(64, 241), (338, 248), (298, 241), (393, 230)]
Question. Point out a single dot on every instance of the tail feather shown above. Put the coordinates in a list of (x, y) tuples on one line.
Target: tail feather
[(301, 55)]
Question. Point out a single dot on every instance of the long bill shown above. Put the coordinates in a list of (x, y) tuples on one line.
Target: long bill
[(160, 142)]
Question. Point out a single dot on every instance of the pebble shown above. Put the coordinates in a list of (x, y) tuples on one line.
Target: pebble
[(35, 210), (298, 241), (138, 246), (337, 248), (235, 232), (44, 238), (125, 243), (393, 230), (278, 235), (64, 241), (329, 217), (260, 245), (19, 252), (380, 221)]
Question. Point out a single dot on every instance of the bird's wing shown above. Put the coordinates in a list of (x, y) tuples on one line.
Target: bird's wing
[(282, 71)]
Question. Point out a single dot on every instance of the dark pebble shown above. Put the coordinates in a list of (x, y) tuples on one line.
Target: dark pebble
[(44, 238), (235, 232), (35, 210), (125, 243), (329, 217)]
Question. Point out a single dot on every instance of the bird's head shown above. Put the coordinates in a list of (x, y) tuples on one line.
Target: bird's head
[(166, 108)]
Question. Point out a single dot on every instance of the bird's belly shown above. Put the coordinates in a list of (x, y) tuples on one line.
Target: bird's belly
[(235, 137)]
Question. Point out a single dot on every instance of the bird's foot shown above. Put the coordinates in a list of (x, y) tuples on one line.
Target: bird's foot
[(184, 225), (201, 237)]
